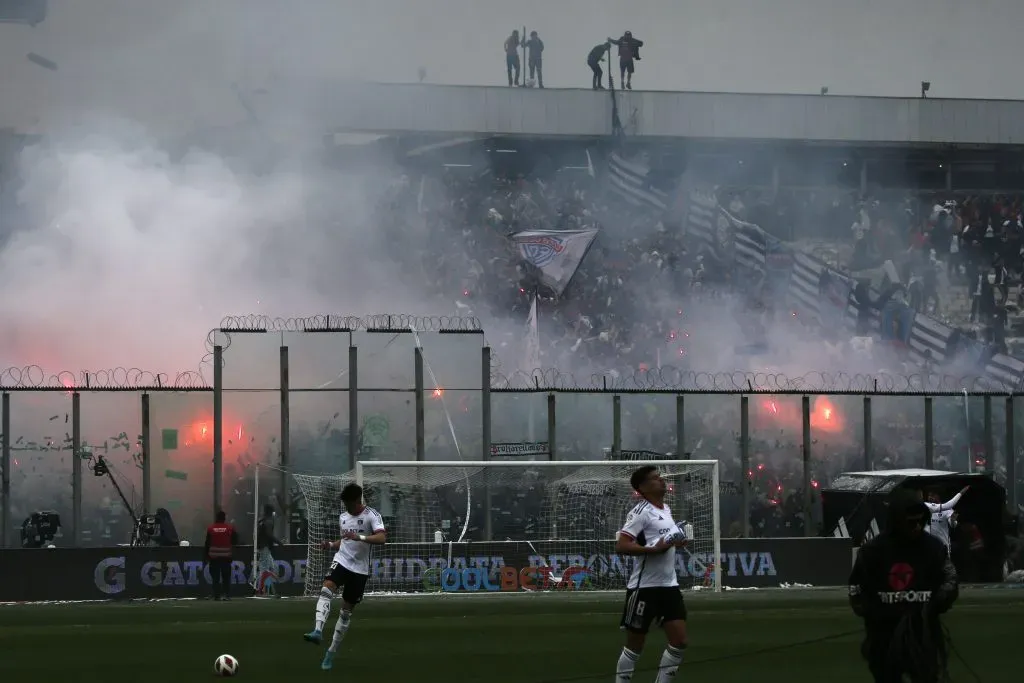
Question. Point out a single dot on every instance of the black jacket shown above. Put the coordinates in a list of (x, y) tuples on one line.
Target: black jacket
[(894, 575)]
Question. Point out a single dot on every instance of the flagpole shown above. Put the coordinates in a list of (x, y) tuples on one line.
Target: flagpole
[(533, 337)]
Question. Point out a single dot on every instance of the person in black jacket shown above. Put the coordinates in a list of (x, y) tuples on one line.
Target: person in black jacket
[(901, 582), (629, 53)]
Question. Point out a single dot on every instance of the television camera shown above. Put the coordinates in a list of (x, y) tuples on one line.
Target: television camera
[(147, 529)]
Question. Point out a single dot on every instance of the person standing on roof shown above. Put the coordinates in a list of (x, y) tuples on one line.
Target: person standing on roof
[(512, 64), (594, 60), (629, 52), (535, 57)]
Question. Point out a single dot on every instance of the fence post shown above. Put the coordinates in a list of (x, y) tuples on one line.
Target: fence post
[(76, 469), (218, 425), (5, 482), (990, 445), (868, 457), (1011, 456), (485, 435), (681, 451), (552, 427), (746, 481), (421, 444), (929, 439), (285, 441), (616, 426), (353, 405), (147, 466), (808, 499)]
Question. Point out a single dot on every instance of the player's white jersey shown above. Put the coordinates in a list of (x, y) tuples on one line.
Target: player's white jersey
[(645, 524), (942, 518), (355, 555), (940, 525)]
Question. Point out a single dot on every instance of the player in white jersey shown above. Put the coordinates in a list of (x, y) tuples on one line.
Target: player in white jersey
[(361, 527), (652, 591), (943, 518)]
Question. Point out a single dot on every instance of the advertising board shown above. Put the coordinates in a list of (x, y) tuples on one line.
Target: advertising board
[(156, 573)]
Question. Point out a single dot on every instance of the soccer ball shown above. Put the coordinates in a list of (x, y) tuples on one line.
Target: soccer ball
[(226, 665)]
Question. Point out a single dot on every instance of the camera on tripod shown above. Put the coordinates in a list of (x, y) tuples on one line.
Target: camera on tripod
[(147, 529)]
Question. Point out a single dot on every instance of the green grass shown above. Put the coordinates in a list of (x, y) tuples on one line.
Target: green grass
[(766, 636)]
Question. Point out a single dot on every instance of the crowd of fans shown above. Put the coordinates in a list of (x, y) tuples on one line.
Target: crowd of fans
[(617, 314), (947, 249)]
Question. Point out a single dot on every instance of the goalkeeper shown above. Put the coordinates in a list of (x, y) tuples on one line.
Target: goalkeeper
[(361, 527), (901, 582), (265, 544)]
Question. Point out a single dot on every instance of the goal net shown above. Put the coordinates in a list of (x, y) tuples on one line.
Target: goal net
[(510, 526)]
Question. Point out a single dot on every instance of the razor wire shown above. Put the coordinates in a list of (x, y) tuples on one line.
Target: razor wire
[(667, 378), (391, 322), (120, 378)]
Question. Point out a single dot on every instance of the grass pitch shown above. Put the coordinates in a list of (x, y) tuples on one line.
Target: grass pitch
[(767, 636)]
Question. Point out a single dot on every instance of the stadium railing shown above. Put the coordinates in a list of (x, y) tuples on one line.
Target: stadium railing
[(312, 395)]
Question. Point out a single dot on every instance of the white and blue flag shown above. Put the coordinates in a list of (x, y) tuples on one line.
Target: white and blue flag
[(556, 254)]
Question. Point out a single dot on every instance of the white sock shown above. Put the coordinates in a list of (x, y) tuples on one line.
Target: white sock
[(627, 662), (323, 608), (340, 629), (670, 660)]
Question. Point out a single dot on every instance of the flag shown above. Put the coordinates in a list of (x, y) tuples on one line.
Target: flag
[(749, 241), (725, 237), (629, 180), (701, 221), (532, 361), (928, 335), (1005, 372), (555, 253), (804, 289)]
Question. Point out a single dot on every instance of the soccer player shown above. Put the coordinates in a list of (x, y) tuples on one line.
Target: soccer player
[(361, 527), (943, 517), (652, 592), (265, 543)]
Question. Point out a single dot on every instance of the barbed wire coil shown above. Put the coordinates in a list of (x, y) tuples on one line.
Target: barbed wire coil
[(672, 379), (120, 378)]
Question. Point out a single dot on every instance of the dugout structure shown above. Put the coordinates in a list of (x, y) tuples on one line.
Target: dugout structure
[(854, 506), (556, 523)]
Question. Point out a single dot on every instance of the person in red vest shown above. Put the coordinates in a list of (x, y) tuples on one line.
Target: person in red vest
[(221, 538)]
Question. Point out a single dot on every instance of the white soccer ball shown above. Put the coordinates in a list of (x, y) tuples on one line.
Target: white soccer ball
[(226, 665)]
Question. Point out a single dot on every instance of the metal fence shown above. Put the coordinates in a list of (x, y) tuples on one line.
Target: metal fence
[(314, 399)]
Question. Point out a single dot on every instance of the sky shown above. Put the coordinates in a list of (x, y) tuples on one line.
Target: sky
[(181, 63)]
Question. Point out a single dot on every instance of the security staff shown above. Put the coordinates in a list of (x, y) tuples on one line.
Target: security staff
[(901, 582), (221, 538)]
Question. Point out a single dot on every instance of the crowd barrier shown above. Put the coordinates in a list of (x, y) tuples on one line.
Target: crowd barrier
[(58, 574)]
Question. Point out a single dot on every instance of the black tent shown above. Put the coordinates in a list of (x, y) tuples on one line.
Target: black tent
[(853, 506)]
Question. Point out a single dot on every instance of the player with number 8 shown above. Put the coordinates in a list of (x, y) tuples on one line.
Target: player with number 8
[(361, 527), (652, 591)]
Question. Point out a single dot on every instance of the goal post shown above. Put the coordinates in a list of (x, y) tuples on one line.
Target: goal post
[(549, 525)]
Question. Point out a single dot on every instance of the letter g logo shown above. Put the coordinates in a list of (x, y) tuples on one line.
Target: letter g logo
[(109, 575)]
